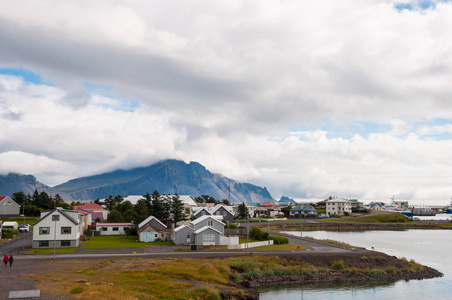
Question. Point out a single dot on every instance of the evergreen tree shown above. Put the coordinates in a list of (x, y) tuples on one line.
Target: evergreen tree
[(141, 211), (114, 216), (242, 211), (177, 210)]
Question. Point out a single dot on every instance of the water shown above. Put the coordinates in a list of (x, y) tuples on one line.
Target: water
[(432, 248)]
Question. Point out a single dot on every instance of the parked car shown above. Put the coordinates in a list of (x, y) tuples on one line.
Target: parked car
[(24, 227)]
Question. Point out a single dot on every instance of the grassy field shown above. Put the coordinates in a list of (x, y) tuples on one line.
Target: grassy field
[(285, 247), (20, 220), (147, 278), (50, 250), (380, 218), (115, 241)]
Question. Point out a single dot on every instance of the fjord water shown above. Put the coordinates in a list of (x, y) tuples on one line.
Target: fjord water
[(432, 248)]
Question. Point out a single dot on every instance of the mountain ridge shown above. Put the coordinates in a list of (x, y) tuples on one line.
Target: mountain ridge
[(167, 177)]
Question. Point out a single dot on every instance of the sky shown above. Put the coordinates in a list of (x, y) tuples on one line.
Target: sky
[(310, 98)]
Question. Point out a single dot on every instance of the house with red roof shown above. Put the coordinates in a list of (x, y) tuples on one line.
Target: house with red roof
[(8, 207), (97, 211), (268, 209), (151, 230)]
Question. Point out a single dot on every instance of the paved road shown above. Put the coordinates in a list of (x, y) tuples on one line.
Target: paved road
[(14, 246)]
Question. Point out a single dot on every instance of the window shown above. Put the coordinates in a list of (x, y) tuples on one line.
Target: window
[(65, 243), (156, 235), (44, 230), (115, 228), (104, 229), (225, 213), (65, 230), (43, 243), (188, 236), (210, 223), (208, 238)]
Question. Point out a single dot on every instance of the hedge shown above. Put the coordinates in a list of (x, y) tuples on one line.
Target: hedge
[(279, 240)]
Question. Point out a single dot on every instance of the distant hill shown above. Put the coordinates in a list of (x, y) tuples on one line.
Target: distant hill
[(168, 177), (286, 199), (14, 182)]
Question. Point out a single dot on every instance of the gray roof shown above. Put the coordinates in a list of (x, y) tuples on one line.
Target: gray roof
[(62, 211)]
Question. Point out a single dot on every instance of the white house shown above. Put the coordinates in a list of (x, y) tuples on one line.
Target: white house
[(112, 228), (218, 210), (338, 206), (8, 207), (59, 225)]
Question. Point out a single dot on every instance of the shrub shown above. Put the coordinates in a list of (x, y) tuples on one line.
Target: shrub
[(76, 290), (338, 265), (8, 233), (363, 257), (354, 271), (279, 240), (323, 270), (258, 235), (377, 271), (232, 225), (391, 271), (131, 231)]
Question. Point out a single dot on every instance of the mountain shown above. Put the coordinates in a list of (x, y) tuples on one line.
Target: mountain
[(286, 199), (167, 177), (14, 182)]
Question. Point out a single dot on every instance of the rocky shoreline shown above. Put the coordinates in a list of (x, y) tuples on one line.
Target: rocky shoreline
[(367, 266)]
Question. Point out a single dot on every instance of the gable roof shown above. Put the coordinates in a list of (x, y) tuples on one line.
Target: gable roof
[(181, 227), (212, 210), (2, 197), (91, 206), (205, 228), (149, 219), (114, 224), (203, 218), (8, 198), (62, 212)]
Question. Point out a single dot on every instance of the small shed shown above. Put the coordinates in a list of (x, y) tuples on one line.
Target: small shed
[(11, 225)]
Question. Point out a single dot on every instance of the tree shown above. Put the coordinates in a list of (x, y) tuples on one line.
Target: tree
[(242, 211), (127, 211), (141, 211), (226, 201), (177, 210), (111, 203), (114, 216), (286, 210)]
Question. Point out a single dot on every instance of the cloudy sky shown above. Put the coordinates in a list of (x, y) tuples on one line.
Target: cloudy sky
[(308, 98)]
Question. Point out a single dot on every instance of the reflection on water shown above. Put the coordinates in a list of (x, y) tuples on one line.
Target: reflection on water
[(428, 247)]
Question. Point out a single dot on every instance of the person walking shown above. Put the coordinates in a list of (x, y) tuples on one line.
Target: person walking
[(11, 260), (5, 260)]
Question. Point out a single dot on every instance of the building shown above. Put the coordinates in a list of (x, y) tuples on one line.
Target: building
[(113, 228), (205, 230), (304, 210), (96, 210), (57, 228), (268, 210), (9, 207), (338, 206), (152, 230), (218, 210)]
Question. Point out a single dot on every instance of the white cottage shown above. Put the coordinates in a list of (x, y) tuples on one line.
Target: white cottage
[(338, 206), (58, 228)]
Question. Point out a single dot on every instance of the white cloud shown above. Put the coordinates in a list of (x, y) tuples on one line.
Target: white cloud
[(249, 89)]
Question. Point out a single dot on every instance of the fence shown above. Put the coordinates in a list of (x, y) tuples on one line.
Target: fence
[(251, 245)]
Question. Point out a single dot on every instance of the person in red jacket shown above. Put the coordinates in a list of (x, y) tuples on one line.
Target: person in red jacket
[(5, 259)]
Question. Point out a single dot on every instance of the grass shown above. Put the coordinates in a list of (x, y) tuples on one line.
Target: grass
[(285, 247), (379, 218), (116, 241), (332, 242), (20, 220), (50, 250)]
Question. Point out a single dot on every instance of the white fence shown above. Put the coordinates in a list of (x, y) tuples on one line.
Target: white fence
[(229, 240), (251, 245)]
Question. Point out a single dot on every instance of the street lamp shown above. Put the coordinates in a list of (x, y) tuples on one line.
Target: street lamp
[(23, 211)]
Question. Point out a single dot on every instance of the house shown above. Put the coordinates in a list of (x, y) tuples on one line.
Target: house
[(151, 230), (338, 206), (376, 206), (96, 210), (205, 230), (113, 228), (305, 210), (59, 225), (8, 207), (85, 217), (268, 209), (218, 210)]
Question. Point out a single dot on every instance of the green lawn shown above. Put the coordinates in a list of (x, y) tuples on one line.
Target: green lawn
[(285, 247), (50, 250), (20, 220), (115, 241)]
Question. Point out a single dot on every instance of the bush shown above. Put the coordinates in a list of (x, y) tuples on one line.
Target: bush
[(131, 231), (354, 271), (338, 265), (391, 271), (8, 233), (258, 235), (232, 225), (279, 240)]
